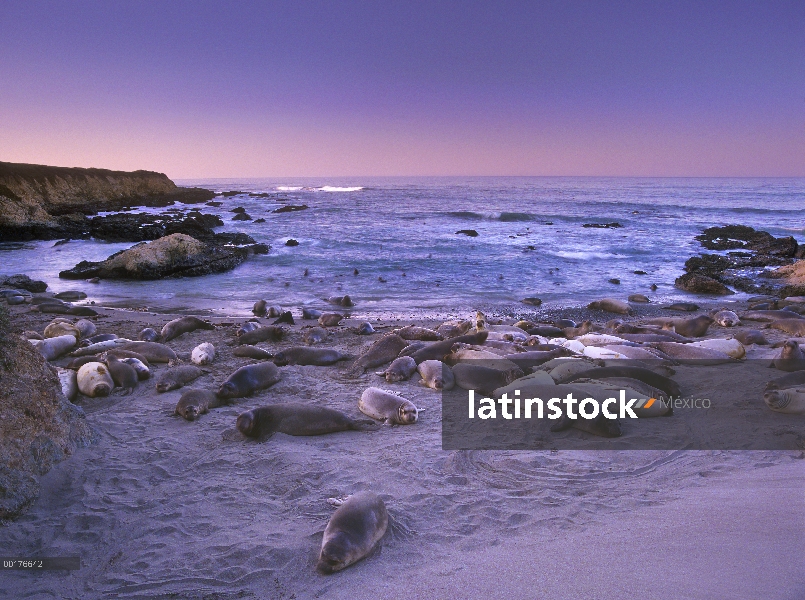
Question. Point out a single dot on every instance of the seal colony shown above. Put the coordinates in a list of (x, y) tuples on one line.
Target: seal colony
[(254, 375)]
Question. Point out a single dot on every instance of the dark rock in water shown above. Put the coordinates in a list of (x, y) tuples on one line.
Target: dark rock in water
[(61, 242), (147, 227), (285, 317), (615, 280), (238, 210), (532, 301), (231, 193), (653, 287), (292, 242), (639, 272), (259, 195), (469, 232), (257, 249), (260, 220), (71, 295), (242, 217), (176, 255), (701, 284), (214, 203), (291, 208), (733, 237), (612, 225), (24, 282), (711, 265)]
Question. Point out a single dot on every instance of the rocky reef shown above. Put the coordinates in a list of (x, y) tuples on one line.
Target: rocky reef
[(44, 202)]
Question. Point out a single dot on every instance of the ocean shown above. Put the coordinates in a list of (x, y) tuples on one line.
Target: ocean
[(400, 234)]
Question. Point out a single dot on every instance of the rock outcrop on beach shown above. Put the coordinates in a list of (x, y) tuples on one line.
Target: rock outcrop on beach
[(44, 202), (175, 255), (38, 425)]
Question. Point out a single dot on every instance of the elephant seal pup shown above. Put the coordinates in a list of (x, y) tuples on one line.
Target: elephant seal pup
[(153, 351), (330, 319), (436, 375), (791, 358), (53, 348), (548, 331), (87, 328), (246, 328), (58, 328), (97, 339), (304, 355), (695, 327), (387, 407), (793, 379), (142, 370), (284, 317), (177, 327), (353, 531), (365, 328), (314, 335), (250, 379), (647, 376), (751, 336), (121, 354), (682, 306), (572, 333), (203, 354), (310, 313), (196, 402), (383, 351), (272, 333), (297, 419), (534, 358), (123, 374), (148, 335), (273, 312), (638, 298), (790, 401), (259, 309), (611, 305), (453, 329), (690, 354), (252, 352), (790, 326), (423, 334), (726, 318), (176, 377), (438, 350), (341, 301), (79, 362), (482, 379), (400, 369), (94, 380)]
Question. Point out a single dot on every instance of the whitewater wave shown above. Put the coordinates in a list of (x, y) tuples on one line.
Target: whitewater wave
[(332, 188), (580, 255), (289, 188)]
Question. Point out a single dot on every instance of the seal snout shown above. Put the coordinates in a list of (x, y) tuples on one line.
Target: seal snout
[(102, 390)]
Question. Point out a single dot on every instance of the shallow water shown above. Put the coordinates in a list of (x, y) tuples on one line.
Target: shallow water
[(531, 241)]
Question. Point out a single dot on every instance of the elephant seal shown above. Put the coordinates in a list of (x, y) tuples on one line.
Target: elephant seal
[(58, 328), (94, 380), (600, 426), (203, 354), (123, 374), (314, 335), (330, 319), (548, 331), (311, 313), (272, 333), (153, 351), (259, 308), (297, 419), (793, 379), (284, 317), (196, 402), (53, 348), (790, 401), (647, 376), (365, 328), (639, 298), (68, 383), (438, 350), (387, 407), (400, 369), (353, 531), (97, 339), (790, 326), (273, 312), (453, 329), (383, 351), (304, 355), (142, 370), (436, 375), (572, 333), (177, 327), (769, 315), (695, 327), (252, 352), (682, 307), (751, 336), (177, 377), (85, 327), (689, 354), (246, 328), (791, 358), (534, 358), (121, 354), (79, 362), (482, 379), (423, 334), (341, 301), (148, 335), (611, 305), (726, 318), (250, 379)]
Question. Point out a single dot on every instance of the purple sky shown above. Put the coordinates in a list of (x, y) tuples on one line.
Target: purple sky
[(214, 89)]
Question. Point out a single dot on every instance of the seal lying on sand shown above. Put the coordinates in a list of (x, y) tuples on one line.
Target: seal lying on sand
[(177, 377), (412, 332), (203, 354), (400, 369), (263, 334), (123, 374), (790, 401), (354, 529), (791, 358), (94, 380), (383, 351), (436, 375), (387, 407), (438, 350), (297, 419), (252, 352), (303, 355), (196, 402), (177, 327), (250, 379)]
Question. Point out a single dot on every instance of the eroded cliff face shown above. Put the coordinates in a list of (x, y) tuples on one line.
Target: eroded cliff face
[(38, 201)]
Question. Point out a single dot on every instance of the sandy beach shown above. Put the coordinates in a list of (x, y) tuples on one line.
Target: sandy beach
[(163, 507)]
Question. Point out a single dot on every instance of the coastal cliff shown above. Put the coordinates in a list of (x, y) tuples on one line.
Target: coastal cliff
[(43, 202)]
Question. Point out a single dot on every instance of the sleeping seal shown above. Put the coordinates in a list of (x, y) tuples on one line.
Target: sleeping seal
[(482, 379), (177, 327), (790, 401), (383, 351), (387, 407), (436, 375), (611, 305), (400, 369), (176, 377), (250, 379), (297, 419), (303, 355), (354, 529), (94, 380), (203, 354), (196, 402)]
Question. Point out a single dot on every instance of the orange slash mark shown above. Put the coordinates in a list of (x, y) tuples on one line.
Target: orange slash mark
[(649, 403)]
